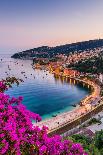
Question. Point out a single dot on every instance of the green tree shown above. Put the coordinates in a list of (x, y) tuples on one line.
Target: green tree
[(99, 140)]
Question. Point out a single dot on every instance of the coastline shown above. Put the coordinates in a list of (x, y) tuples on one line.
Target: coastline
[(67, 117), (61, 120), (58, 111)]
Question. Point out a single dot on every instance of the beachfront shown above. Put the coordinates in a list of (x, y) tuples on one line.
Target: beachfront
[(88, 104)]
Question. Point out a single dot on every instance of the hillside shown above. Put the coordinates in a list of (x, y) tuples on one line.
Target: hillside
[(50, 52), (92, 65)]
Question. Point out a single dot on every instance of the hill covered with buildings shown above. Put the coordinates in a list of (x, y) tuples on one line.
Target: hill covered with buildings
[(52, 52)]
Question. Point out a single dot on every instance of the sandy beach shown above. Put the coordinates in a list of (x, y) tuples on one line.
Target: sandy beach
[(88, 104)]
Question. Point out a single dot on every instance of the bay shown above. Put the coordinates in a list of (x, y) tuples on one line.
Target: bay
[(42, 92)]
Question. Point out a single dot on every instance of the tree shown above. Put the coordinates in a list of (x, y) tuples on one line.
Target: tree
[(99, 140)]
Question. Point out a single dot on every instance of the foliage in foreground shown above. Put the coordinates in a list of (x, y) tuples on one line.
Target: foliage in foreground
[(18, 136), (92, 146)]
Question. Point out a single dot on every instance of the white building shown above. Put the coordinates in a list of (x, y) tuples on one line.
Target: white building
[(101, 78)]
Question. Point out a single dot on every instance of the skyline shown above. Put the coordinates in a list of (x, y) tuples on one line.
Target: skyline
[(29, 24)]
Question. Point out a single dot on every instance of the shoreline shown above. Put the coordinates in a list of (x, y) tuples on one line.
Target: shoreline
[(66, 117), (61, 120)]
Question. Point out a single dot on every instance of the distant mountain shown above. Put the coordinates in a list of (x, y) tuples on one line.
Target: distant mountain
[(49, 52)]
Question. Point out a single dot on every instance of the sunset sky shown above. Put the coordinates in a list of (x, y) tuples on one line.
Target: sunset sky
[(26, 24)]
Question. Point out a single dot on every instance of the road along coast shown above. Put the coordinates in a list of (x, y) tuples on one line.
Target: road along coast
[(68, 120)]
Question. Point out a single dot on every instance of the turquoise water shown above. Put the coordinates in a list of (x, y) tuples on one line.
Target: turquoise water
[(43, 94)]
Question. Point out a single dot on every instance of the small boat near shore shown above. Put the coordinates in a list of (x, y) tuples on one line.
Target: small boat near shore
[(54, 115), (74, 105)]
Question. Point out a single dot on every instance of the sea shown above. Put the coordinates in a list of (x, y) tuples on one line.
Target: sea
[(42, 92)]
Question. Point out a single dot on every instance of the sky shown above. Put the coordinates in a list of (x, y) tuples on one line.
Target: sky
[(26, 24)]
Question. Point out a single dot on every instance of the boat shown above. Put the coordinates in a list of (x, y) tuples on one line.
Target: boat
[(74, 105), (54, 115)]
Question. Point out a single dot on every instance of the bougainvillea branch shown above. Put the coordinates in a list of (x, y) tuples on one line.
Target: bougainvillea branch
[(18, 136)]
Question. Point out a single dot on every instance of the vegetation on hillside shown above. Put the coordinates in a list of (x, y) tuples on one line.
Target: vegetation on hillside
[(51, 52), (94, 146), (91, 65)]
